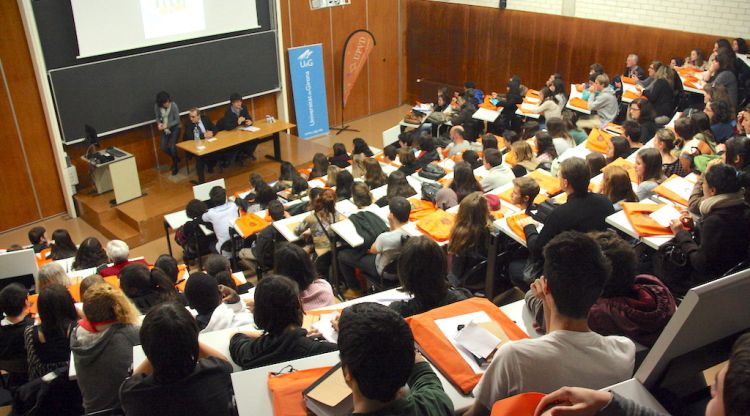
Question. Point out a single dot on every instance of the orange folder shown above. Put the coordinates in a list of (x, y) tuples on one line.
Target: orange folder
[(439, 349), (514, 223), (579, 103), (666, 193), (631, 95), (523, 404), (598, 140), (250, 224), (628, 80), (286, 390), (437, 225), (644, 225), (548, 183), (420, 209)]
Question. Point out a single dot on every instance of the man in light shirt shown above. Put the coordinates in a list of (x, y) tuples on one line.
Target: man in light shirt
[(221, 216)]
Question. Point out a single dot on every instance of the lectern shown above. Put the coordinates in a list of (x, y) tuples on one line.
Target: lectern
[(115, 169)]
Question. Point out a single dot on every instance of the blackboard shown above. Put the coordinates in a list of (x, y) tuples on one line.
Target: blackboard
[(116, 92)]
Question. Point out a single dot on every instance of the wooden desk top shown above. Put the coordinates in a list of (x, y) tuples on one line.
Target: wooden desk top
[(226, 139)]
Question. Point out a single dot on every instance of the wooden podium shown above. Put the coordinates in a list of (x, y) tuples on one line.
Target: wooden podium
[(119, 174)]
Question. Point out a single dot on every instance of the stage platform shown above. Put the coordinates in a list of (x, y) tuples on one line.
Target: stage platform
[(141, 220)]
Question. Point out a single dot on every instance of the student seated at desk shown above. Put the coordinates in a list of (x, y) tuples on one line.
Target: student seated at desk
[(584, 211), (49, 274), (293, 262), (648, 168), (721, 238), (62, 245), (278, 314), (147, 288), (458, 142), (374, 175), (287, 175), (524, 156), (317, 227), (118, 252), (570, 118), (344, 182), (221, 216), (180, 375), (389, 153), (384, 250), (15, 319), (408, 161), (361, 196), (218, 306), (550, 105), (377, 371), (560, 136), (642, 112), (261, 251), (258, 199), (602, 101), (102, 346), (669, 147), (37, 239), (191, 232), (618, 147), (737, 154), (320, 166), (422, 271), (463, 183), (340, 158), (397, 186), (546, 152), (220, 268), (575, 272), (427, 152), (48, 344), (90, 254), (616, 186), (498, 174), (469, 241), (631, 130), (730, 393)]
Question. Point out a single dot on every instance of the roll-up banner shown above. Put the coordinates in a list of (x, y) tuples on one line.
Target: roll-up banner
[(309, 90)]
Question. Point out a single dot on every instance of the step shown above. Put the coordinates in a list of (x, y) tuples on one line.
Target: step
[(120, 230)]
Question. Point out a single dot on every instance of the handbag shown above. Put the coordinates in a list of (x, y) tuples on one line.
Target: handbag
[(411, 118), (672, 264), (432, 171), (430, 190)]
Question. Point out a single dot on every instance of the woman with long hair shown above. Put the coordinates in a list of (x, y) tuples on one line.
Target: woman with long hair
[(464, 182), (48, 344), (90, 254), (661, 92), (618, 147), (469, 240), (737, 154), (560, 136), (408, 161), (524, 157), (546, 151), (648, 167), (320, 166), (340, 158), (397, 186), (344, 182), (62, 245), (641, 111), (669, 146), (616, 186), (102, 345), (319, 225), (422, 272), (332, 174), (292, 261), (374, 176), (360, 147)]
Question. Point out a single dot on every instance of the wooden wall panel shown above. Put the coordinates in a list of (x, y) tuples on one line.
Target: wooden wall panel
[(452, 43), (18, 206), (27, 105), (383, 23), (331, 27)]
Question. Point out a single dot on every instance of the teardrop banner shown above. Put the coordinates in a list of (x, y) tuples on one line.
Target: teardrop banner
[(357, 49)]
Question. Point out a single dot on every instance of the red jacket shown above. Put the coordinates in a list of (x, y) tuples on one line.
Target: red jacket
[(114, 270), (640, 317)]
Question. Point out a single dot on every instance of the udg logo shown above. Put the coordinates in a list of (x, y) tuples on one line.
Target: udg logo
[(304, 59)]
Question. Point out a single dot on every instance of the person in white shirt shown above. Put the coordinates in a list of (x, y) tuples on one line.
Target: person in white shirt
[(575, 271), (497, 173), (221, 216), (218, 306), (458, 142)]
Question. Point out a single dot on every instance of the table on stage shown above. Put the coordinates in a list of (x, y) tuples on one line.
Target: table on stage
[(230, 138)]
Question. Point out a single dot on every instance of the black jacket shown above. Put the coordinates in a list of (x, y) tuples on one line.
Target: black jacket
[(723, 240), (268, 349), (583, 212), (661, 96), (207, 124), (229, 121)]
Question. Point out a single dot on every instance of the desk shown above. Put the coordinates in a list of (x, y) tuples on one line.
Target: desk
[(230, 138), (628, 87), (488, 116)]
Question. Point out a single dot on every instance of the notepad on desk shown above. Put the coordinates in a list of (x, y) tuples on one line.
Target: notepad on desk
[(329, 395), (251, 129)]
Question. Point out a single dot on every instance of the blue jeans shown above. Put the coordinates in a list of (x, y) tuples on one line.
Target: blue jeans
[(168, 143)]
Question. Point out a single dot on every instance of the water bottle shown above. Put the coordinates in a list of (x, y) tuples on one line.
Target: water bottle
[(197, 137)]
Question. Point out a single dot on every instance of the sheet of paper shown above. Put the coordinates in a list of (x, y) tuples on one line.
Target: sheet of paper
[(252, 129), (477, 340), (664, 215), (422, 107), (528, 106), (331, 391), (449, 328), (533, 100), (680, 186), (325, 327), (213, 139)]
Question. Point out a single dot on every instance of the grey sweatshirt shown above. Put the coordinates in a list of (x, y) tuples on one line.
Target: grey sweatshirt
[(102, 361)]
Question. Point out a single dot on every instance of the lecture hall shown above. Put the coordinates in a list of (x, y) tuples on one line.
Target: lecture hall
[(375, 207)]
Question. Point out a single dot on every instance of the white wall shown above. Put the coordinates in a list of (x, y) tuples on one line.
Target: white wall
[(714, 17)]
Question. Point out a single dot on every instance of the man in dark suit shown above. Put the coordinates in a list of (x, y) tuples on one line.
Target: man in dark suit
[(236, 116), (205, 129)]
